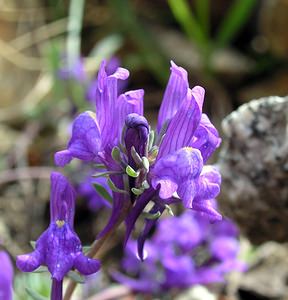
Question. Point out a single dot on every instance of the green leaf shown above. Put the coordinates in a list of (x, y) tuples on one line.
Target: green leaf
[(151, 53), (114, 188), (203, 14), (183, 14), (131, 172), (236, 17), (102, 192), (34, 295), (75, 276)]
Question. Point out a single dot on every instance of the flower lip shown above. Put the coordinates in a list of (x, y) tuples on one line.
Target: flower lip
[(59, 248)]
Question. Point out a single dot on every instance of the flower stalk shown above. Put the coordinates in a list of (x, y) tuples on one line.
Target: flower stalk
[(56, 291)]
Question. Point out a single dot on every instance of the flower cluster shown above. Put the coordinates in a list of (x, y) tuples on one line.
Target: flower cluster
[(59, 247), (194, 252), (6, 276), (143, 166)]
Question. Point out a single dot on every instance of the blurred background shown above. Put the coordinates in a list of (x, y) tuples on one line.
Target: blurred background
[(50, 52)]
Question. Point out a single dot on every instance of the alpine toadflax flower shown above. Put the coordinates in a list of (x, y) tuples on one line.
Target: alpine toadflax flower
[(6, 276), (59, 247), (163, 166), (194, 252)]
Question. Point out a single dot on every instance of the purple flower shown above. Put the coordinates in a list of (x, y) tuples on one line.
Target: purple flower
[(164, 169), (6, 276), (93, 136), (194, 252), (59, 247)]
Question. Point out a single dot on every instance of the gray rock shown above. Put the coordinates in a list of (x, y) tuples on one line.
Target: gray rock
[(254, 167)]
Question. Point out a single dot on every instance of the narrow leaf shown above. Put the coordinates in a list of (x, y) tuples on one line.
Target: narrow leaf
[(203, 10), (234, 20), (183, 14), (106, 174), (102, 192)]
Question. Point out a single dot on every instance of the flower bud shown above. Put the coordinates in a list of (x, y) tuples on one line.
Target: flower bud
[(136, 135)]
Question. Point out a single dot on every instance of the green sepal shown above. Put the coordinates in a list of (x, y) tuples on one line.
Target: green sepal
[(136, 156), (151, 139), (115, 153), (136, 191), (114, 188), (131, 172), (145, 185), (145, 163), (102, 192), (153, 152), (152, 216)]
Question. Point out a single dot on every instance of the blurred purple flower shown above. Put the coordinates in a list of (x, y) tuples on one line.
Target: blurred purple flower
[(76, 72), (194, 252), (164, 170), (59, 247), (6, 276)]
